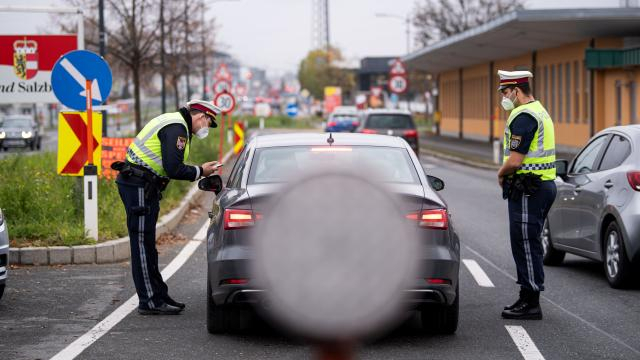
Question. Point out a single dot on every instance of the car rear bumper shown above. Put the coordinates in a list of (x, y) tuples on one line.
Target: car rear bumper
[(439, 263)]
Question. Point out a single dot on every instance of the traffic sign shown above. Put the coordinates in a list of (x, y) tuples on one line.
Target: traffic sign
[(225, 101), (238, 137), (72, 142), (69, 76), (398, 84), (221, 86), (397, 68), (292, 109), (376, 91), (222, 73)]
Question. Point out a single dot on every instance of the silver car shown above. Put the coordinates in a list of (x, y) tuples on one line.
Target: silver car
[(4, 253), (596, 213), (19, 131)]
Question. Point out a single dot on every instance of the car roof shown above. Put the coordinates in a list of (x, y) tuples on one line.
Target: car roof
[(320, 139), (388, 111), (18, 117), (632, 130)]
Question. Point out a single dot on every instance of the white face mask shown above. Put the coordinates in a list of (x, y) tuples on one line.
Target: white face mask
[(507, 103), (202, 133)]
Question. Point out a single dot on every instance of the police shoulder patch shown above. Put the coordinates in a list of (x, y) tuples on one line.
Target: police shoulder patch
[(515, 142), (182, 143)]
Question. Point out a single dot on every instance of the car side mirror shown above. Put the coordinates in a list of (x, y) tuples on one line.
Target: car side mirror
[(436, 183), (211, 183), (562, 168)]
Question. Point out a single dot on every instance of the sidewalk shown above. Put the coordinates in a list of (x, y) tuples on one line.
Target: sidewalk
[(469, 152)]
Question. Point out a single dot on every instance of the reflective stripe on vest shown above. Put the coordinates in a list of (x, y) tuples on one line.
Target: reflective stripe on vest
[(541, 157), (145, 150)]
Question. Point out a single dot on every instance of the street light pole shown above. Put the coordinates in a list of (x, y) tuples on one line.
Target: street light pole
[(163, 88)]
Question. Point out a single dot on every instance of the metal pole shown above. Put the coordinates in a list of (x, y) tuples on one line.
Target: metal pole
[(408, 20), (326, 18), (204, 56), (80, 30), (163, 88), (105, 119)]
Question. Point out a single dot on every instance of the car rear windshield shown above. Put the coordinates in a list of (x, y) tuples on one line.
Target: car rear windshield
[(389, 121), (344, 118), (281, 164)]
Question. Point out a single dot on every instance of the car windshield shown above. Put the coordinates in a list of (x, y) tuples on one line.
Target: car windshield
[(389, 121), (14, 123), (281, 164)]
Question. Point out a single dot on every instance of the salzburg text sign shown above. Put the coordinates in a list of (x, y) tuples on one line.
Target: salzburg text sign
[(25, 66)]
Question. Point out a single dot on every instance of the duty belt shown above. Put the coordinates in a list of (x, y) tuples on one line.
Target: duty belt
[(152, 182)]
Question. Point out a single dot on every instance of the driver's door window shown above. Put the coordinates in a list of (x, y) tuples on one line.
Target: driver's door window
[(586, 163)]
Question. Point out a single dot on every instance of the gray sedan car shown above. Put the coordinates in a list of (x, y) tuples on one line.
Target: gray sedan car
[(267, 160), (4, 253), (596, 213), (19, 131)]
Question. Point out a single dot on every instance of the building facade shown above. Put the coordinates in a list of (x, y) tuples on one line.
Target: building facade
[(585, 65)]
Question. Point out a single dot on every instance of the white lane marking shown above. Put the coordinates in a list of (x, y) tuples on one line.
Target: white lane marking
[(478, 274), (524, 343), (575, 316), (80, 344), (201, 235)]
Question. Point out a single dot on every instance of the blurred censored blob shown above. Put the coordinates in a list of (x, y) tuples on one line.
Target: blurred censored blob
[(334, 255)]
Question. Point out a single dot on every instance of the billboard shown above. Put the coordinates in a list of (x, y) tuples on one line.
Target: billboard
[(25, 66), (332, 98)]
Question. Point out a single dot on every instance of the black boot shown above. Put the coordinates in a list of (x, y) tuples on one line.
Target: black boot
[(521, 297), (172, 302), (528, 309), (164, 309)]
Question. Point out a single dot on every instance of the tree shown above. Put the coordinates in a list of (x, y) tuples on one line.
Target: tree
[(438, 19), (317, 71)]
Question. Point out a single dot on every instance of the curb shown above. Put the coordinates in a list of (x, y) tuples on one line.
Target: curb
[(107, 252), (460, 160)]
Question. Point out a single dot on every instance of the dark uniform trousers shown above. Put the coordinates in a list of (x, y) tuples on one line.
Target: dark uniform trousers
[(526, 220), (142, 215)]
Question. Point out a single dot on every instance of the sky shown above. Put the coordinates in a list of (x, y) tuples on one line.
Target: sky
[(276, 34)]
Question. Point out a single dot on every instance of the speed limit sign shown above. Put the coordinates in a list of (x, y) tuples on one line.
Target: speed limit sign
[(398, 84), (225, 101)]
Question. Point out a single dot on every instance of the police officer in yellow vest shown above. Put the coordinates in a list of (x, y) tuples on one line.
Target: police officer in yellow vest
[(527, 177), (156, 155)]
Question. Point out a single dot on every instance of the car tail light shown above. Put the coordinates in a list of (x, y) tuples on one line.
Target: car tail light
[(634, 179), (432, 219), (234, 281), (439, 281), (332, 124), (369, 131), (238, 219), (411, 133), (331, 149)]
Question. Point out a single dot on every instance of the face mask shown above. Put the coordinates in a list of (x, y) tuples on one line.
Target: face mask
[(507, 104), (202, 133)]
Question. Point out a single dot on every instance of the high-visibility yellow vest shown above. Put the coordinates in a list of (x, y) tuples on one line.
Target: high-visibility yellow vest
[(541, 157), (145, 150)]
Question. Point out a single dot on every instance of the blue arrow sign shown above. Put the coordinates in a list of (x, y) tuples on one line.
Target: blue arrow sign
[(292, 110), (69, 75)]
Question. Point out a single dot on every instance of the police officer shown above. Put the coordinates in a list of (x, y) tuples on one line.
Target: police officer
[(527, 176), (156, 155)]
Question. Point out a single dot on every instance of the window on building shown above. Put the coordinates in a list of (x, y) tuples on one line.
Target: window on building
[(633, 105), (618, 102), (545, 77), (552, 87), (586, 95), (560, 97), (567, 88), (576, 88)]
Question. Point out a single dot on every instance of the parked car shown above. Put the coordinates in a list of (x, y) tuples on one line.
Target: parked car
[(268, 160), (19, 131), (4, 253), (342, 122), (390, 122), (596, 213)]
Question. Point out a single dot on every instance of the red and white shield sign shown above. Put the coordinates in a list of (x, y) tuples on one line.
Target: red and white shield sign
[(25, 58)]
